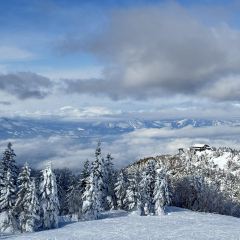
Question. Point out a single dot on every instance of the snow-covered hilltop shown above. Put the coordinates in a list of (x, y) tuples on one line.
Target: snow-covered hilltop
[(206, 180), (224, 158)]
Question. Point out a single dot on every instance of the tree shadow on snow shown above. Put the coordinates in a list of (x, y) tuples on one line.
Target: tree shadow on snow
[(175, 209), (63, 224), (6, 236), (113, 214)]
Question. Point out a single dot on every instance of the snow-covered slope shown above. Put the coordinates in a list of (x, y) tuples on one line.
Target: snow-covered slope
[(177, 224)]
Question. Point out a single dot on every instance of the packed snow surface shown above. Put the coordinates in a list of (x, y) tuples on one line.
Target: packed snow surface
[(177, 224)]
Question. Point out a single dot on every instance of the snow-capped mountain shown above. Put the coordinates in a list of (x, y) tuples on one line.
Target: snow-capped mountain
[(25, 128)]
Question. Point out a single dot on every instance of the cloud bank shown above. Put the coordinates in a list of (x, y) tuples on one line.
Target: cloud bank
[(159, 51), (71, 152), (24, 85)]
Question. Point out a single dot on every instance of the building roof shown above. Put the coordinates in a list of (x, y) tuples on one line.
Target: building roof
[(200, 145)]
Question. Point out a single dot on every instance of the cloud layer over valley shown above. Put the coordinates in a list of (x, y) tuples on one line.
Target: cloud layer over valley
[(72, 151)]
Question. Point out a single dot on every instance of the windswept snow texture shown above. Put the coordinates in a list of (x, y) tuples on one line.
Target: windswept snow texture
[(177, 224)]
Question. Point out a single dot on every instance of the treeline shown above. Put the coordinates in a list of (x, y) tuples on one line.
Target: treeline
[(24, 205), (99, 187), (32, 200)]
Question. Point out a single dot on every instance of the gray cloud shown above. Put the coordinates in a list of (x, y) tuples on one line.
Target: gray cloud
[(154, 51), (6, 103), (25, 85)]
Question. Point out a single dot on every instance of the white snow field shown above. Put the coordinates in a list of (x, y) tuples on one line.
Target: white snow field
[(177, 224)]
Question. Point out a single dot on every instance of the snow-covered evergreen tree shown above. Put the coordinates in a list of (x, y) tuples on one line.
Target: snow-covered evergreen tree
[(8, 162), (85, 174), (91, 202), (7, 201), (23, 182), (8, 177), (162, 195), (27, 205), (133, 197), (73, 198), (81, 186), (8, 193), (147, 185), (64, 178), (98, 176), (49, 199), (29, 217), (120, 189), (109, 181)]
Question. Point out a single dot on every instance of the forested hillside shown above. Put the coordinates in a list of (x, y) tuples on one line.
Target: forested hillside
[(33, 200)]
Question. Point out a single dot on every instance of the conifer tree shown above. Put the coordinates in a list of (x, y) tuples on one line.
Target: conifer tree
[(81, 186), (109, 180), (120, 189), (8, 177), (85, 174), (147, 188), (162, 196), (29, 216), (24, 182), (64, 178), (7, 200), (73, 198), (98, 171), (8, 162), (49, 199), (133, 198), (91, 202)]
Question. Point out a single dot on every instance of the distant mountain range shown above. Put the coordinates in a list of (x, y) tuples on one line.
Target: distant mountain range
[(27, 128)]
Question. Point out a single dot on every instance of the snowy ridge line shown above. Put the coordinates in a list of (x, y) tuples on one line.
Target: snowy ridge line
[(27, 127)]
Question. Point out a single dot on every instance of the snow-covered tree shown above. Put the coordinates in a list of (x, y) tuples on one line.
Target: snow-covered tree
[(23, 182), (8, 193), (73, 198), (85, 174), (133, 197), (8, 162), (81, 186), (162, 195), (49, 199), (98, 171), (91, 202), (8, 177), (120, 189), (29, 217), (109, 180), (27, 205), (64, 178), (7, 201), (147, 185)]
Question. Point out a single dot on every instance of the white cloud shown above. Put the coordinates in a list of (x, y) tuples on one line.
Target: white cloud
[(69, 112), (187, 132), (12, 53), (72, 152), (161, 51)]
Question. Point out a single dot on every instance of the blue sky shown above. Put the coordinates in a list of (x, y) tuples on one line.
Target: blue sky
[(75, 60), (137, 58)]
